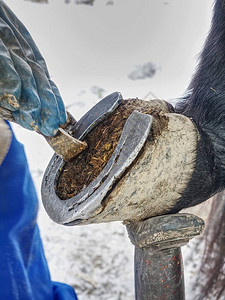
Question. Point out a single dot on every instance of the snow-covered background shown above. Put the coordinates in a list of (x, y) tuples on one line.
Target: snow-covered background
[(92, 51)]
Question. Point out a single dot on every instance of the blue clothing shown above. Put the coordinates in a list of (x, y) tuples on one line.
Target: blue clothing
[(24, 273)]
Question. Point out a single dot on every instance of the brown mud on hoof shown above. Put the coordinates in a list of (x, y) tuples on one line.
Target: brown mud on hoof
[(102, 141)]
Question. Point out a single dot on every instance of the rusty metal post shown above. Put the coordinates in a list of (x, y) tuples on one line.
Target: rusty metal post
[(159, 273)]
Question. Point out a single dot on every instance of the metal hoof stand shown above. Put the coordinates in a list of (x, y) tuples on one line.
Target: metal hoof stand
[(123, 191), (159, 273)]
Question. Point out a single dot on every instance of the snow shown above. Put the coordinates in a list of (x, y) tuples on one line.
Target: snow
[(97, 260)]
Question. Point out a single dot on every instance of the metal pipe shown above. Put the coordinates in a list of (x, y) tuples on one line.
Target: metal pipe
[(159, 273)]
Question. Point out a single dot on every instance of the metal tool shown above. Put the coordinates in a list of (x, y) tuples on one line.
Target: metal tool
[(64, 143)]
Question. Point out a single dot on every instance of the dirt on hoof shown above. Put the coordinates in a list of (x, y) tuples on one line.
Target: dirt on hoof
[(102, 140)]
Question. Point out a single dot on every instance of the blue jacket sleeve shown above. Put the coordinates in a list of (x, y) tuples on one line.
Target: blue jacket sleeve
[(24, 273)]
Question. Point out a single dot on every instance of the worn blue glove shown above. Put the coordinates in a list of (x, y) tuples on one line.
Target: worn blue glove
[(25, 86)]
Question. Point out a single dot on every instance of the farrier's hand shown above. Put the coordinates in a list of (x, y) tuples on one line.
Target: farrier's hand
[(25, 87)]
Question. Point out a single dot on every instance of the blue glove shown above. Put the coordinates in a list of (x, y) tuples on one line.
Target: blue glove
[(25, 86)]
